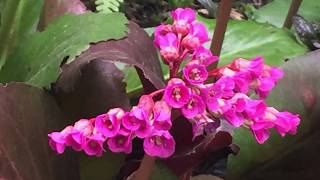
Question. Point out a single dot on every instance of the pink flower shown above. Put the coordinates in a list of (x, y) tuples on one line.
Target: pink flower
[(93, 145), (261, 135), (204, 56), (159, 144), (121, 142), (144, 109), (130, 122), (176, 93), (162, 30), (194, 107), (144, 129), (253, 66), (84, 126), (169, 48), (287, 123), (196, 37), (223, 88), (195, 73), (162, 116), (109, 124), (183, 17), (57, 142)]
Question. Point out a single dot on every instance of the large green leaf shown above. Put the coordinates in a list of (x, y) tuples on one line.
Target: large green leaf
[(37, 60), (276, 12), (298, 92), (18, 19), (248, 39)]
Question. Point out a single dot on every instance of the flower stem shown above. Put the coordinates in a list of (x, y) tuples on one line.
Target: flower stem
[(146, 167)]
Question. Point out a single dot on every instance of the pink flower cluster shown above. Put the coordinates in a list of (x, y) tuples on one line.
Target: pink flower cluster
[(202, 103)]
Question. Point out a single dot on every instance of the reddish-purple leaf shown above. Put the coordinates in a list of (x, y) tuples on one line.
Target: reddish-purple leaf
[(97, 86), (27, 114), (55, 8)]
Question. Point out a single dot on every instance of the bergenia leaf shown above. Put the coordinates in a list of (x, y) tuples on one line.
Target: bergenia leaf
[(53, 9), (99, 83), (298, 92), (27, 114), (37, 60), (18, 19), (135, 50)]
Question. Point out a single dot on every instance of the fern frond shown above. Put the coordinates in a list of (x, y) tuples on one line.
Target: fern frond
[(108, 6)]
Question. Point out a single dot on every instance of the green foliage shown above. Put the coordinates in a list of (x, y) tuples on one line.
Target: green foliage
[(18, 19), (248, 39), (179, 3), (37, 60), (108, 6), (276, 12), (297, 92)]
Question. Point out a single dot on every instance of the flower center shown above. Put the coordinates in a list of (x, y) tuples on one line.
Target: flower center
[(108, 124), (195, 74), (176, 93), (93, 144)]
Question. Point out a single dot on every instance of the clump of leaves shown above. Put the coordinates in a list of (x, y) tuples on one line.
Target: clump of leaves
[(108, 6)]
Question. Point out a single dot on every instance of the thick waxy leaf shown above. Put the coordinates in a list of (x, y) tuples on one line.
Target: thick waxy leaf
[(56, 8), (136, 50), (27, 115), (18, 18), (298, 92), (98, 85), (248, 39), (276, 12), (37, 60)]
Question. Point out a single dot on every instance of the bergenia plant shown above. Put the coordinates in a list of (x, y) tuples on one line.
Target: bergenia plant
[(193, 93)]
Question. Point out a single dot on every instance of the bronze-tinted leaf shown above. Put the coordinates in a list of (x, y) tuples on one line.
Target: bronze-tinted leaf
[(27, 114), (56, 8)]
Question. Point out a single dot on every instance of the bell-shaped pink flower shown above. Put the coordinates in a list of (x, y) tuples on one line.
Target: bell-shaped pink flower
[(74, 139), (160, 144), (84, 126), (176, 94), (130, 122), (196, 38), (109, 124), (204, 56), (144, 129), (57, 142), (162, 116), (261, 135), (183, 17), (144, 108), (122, 142), (287, 123), (162, 30), (195, 73), (93, 145), (194, 107), (169, 47)]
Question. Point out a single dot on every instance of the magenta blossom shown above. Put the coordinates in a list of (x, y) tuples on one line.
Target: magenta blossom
[(122, 142), (145, 128), (159, 144), (194, 107), (144, 109), (130, 122), (287, 123), (183, 17), (196, 38), (162, 116), (84, 126), (162, 30), (57, 142), (195, 73), (204, 56), (93, 145), (109, 124), (176, 94), (169, 48)]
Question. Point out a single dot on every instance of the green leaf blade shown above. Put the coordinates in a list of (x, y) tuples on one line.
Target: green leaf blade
[(37, 60)]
